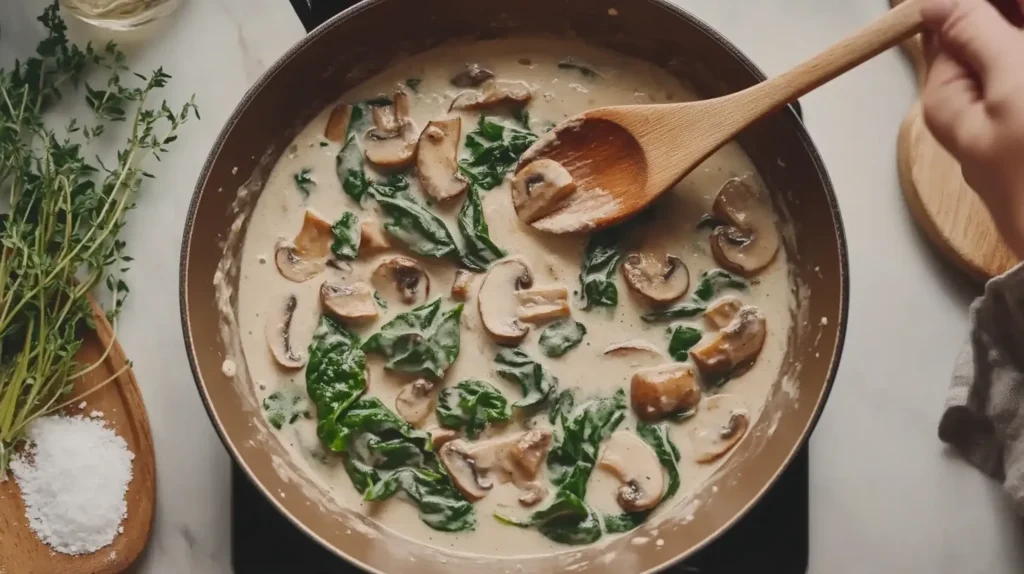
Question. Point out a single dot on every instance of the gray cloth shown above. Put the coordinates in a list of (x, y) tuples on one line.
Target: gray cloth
[(984, 414)]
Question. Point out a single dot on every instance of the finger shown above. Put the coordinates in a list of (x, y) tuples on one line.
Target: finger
[(974, 32), (949, 97)]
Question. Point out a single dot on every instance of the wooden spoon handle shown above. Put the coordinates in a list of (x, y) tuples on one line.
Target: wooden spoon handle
[(897, 25)]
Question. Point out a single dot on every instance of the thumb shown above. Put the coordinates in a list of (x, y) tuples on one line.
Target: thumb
[(975, 34)]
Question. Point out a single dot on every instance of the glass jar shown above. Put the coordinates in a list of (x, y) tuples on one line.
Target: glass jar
[(119, 14)]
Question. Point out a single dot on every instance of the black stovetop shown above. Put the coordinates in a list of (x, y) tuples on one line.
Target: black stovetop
[(771, 539)]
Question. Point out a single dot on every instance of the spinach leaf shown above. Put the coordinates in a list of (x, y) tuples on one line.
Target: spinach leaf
[(560, 337), (537, 383), (597, 276), (380, 301), (283, 408), (681, 341), (713, 281), (414, 84), (348, 164), (522, 116), (304, 181), (478, 251), (471, 405), (421, 341), (656, 436), (393, 186), (346, 236), (493, 150), (335, 378), (568, 519), (562, 407), (411, 223), (682, 311), (441, 506)]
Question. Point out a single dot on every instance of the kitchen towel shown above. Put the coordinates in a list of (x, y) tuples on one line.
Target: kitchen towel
[(984, 413)]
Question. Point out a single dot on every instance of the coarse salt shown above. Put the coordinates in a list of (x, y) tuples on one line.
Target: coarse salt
[(73, 477)]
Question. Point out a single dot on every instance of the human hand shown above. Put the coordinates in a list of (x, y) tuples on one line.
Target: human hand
[(973, 102)]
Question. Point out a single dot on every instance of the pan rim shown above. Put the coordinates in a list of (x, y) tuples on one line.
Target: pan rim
[(675, 11)]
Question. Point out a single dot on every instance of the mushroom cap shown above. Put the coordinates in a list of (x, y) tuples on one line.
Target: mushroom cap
[(372, 237), (401, 278), (749, 241), (632, 346), (471, 77), (663, 390), (439, 436), (658, 280), (349, 303), (463, 469), (532, 493), (494, 93), (437, 159), (338, 122), (541, 304), (529, 451), (496, 300), (539, 188), (626, 456), (279, 337), (415, 401), (733, 349), (461, 285), (392, 142), (723, 420), (722, 311), (306, 256)]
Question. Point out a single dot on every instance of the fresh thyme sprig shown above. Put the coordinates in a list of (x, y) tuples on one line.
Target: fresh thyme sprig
[(59, 234)]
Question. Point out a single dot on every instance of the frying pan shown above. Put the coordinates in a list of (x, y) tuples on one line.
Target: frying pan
[(362, 41)]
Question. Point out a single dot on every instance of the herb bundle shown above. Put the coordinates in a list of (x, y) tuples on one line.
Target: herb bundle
[(63, 213)]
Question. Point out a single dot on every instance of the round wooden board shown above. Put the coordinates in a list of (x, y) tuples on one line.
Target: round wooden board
[(948, 211), (123, 411)]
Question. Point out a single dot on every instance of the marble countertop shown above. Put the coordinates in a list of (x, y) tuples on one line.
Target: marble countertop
[(886, 496)]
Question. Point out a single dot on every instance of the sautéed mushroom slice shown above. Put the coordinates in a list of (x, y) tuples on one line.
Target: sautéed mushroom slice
[(749, 240), (723, 420)]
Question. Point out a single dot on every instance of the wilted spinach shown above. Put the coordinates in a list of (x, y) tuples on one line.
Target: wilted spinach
[(421, 341), (715, 280), (470, 406), (304, 181), (346, 236), (493, 150), (681, 341), (597, 275), (413, 224), (348, 164), (335, 377), (283, 408), (478, 251), (656, 436), (569, 519), (682, 311), (562, 407), (441, 506), (560, 337), (537, 383)]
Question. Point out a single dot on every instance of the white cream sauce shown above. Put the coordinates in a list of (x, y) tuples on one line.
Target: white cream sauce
[(557, 94)]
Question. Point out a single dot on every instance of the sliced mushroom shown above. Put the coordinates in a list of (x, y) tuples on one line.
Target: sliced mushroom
[(306, 256), (532, 494), (630, 347), (529, 451), (721, 312), (279, 337), (663, 390), (538, 189), (542, 303), (338, 122), (496, 301), (471, 77), (749, 241), (391, 143), (349, 303), (401, 278), (372, 238), (722, 422), (493, 94), (628, 458), (415, 401), (462, 467), (658, 280), (733, 349), (440, 436), (437, 159), (461, 285)]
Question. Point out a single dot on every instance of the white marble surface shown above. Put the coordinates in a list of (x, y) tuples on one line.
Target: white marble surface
[(885, 494)]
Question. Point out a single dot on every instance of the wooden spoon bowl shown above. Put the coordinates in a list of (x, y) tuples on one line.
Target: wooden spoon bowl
[(123, 412)]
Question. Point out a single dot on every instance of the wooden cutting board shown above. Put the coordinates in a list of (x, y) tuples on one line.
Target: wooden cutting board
[(948, 211), (123, 410)]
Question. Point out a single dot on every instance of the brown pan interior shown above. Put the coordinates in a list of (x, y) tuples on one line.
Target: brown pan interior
[(361, 42)]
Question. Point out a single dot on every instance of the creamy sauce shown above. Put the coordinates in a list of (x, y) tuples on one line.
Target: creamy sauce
[(557, 94)]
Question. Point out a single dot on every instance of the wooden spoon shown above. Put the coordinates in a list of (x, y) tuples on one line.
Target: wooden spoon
[(622, 158), (124, 413)]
